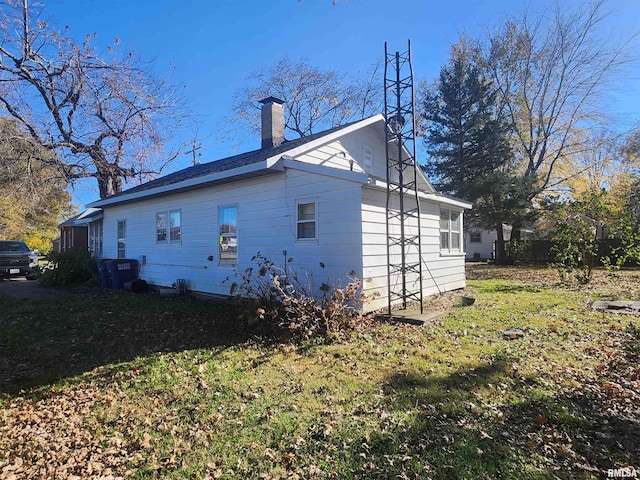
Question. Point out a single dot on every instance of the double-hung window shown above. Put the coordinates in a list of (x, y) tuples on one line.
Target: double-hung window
[(169, 226), (228, 231), (306, 220), (475, 236), (450, 223), (122, 238)]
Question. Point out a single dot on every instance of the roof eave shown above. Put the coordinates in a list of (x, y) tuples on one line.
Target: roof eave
[(264, 167)]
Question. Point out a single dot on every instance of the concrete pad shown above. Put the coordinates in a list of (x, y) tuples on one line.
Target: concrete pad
[(625, 307), (414, 317)]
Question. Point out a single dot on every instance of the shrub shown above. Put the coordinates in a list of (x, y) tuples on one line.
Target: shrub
[(575, 248), (68, 268), (282, 299)]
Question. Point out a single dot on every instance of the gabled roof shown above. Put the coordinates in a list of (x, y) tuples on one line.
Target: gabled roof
[(228, 163), (214, 172), (256, 163)]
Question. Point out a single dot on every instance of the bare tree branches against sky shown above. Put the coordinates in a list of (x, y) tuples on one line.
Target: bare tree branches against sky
[(213, 47)]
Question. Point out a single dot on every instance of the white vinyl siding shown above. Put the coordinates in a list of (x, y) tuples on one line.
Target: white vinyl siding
[(266, 223), (439, 272)]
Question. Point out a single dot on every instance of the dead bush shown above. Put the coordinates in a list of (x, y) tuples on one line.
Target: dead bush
[(283, 298)]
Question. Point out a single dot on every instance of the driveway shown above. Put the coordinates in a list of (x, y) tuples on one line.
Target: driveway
[(20, 287)]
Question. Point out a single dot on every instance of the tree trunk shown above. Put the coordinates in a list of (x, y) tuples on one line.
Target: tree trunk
[(108, 183), (500, 250), (516, 233)]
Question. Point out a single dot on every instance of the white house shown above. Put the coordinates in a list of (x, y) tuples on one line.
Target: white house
[(480, 243), (320, 198)]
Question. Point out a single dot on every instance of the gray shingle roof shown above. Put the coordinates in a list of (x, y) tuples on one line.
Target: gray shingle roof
[(228, 163)]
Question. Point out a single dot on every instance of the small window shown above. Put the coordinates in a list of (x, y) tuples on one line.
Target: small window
[(367, 158), (306, 221), (228, 230), (169, 226), (122, 238), (450, 227), (475, 236)]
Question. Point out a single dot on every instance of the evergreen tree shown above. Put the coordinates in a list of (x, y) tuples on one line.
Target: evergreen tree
[(467, 140)]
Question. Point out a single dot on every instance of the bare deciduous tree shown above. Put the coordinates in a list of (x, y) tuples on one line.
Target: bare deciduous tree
[(105, 118), (314, 100), (552, 72)]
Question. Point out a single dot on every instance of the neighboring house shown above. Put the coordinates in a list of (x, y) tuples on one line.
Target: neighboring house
[(320, 198), (480, 244), (75, 232)]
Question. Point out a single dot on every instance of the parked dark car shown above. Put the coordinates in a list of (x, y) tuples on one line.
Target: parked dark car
[(16, 258)]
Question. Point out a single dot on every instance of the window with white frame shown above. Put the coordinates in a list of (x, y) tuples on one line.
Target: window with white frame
[(228, 230), (450, 223), (475, 236), (306, 220), (122, 238), (169, 226), (95, 238)]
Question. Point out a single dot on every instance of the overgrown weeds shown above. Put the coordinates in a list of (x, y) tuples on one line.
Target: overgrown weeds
[(288, 299)]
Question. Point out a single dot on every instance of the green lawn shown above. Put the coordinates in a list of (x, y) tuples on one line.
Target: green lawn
[(110, 384)]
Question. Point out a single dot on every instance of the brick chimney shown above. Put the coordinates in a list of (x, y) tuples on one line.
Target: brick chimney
[(272, 122)]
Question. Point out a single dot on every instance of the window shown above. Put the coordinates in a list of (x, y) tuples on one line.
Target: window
[(228, 229), (95, 238), (306, 220), (122, 238), (475, 236), (450, 230), (367, 158), (169, 226)]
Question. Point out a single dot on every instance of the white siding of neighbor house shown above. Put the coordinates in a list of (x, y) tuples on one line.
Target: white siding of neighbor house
[(266, 224), (482, 250), (440, 272)]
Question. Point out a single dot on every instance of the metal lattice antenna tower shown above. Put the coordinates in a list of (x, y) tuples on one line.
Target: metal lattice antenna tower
[(404, 246)]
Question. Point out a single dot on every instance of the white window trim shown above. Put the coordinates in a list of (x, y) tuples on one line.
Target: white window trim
[(307, 241), (451, 252), (228, 263), (124, 251), (167, 227)]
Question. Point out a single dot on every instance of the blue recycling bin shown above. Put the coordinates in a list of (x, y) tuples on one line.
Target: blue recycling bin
[(121, 271), (103, 273)]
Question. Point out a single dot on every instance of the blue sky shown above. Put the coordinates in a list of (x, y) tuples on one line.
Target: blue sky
[(212, 46)]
